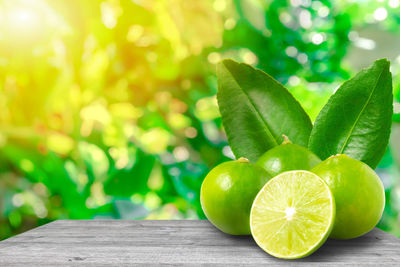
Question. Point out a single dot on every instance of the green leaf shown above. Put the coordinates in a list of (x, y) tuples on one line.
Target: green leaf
[(126, 182), (256, 110), (356, 121), (396, 117)]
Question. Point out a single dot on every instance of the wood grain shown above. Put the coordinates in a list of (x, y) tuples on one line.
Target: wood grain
[(185, 242)]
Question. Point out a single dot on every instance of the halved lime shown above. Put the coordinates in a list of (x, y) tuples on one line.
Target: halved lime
[(292, 215)]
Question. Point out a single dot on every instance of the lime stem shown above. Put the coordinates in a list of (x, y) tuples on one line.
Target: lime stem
[(243, 160), (286, 140)]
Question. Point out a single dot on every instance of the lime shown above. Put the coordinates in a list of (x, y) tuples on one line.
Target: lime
[(287, 157), (292, 215), (359, 195), (227, 193)]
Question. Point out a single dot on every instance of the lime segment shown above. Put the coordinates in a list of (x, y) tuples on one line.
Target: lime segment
[(292, 215)]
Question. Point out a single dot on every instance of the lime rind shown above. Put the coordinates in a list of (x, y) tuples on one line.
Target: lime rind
[(292, 215)]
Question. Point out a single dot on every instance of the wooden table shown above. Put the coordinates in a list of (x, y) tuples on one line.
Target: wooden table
[(123, 243)]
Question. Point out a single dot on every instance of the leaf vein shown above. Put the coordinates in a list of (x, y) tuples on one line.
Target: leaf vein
[(359, 115), (268, 130)]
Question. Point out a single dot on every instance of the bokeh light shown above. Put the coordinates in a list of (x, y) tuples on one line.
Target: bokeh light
[(108, 107)]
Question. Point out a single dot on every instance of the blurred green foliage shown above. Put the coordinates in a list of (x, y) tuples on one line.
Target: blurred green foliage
[(108, 108)]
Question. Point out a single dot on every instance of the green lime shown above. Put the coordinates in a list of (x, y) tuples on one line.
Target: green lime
[(359, 195), (287, 157), (292, 215), (227, 193)]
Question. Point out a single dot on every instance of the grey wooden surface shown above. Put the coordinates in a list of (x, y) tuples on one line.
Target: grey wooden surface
[(127, 243)]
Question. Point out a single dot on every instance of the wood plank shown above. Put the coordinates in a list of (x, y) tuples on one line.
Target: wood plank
[(187, 242)]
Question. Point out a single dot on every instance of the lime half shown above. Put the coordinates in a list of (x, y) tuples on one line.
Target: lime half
[(292, 215)]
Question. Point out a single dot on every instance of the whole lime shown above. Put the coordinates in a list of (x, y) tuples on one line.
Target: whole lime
[(227, 194), (287, 157), (358, 192)]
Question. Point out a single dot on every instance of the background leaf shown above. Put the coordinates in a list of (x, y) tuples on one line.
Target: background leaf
[(125, 182), (256, 110), (356, 120)]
